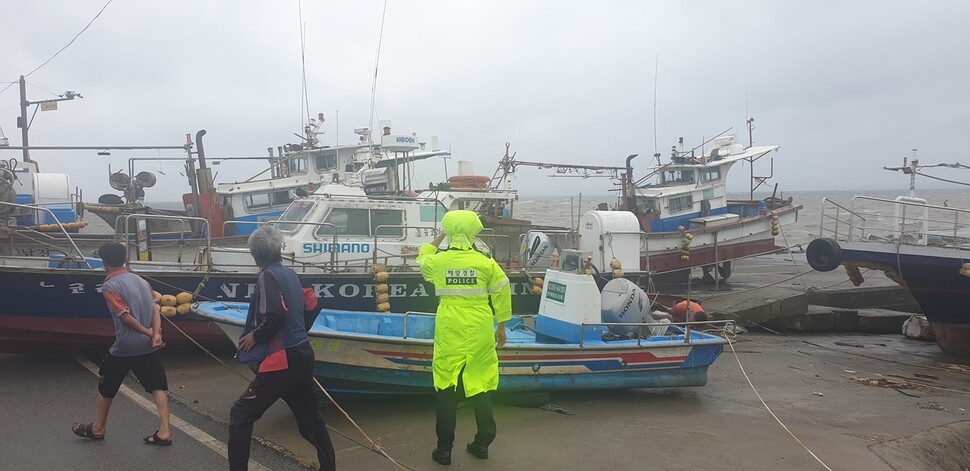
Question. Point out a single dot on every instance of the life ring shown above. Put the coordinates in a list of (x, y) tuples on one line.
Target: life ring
[(469, 181), (824, 254)]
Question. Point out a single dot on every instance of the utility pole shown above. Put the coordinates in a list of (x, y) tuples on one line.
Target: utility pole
[(22, 122)]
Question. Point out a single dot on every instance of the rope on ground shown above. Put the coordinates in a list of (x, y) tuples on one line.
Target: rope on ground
[(711, 296), (374, 446), (736, 357), (861, 355), (849, 367)]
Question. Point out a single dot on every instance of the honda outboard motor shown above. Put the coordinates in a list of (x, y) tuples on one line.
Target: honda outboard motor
[(536, 251), (622, 301)]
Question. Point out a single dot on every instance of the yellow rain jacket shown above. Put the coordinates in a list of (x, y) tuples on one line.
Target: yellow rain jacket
[(465, 279)]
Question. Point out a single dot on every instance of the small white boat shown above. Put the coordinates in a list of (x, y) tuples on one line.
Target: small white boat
[(565, 346)]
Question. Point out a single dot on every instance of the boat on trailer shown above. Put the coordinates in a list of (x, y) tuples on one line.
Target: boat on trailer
[(565, 345), (923, 247)]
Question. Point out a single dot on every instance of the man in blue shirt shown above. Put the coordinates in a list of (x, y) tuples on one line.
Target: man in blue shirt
[(275, 340)]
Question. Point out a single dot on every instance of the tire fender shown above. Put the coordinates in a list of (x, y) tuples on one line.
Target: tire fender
[(824, 254)]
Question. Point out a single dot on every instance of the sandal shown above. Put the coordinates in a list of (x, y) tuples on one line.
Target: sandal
[(154, 440), (86, 431)]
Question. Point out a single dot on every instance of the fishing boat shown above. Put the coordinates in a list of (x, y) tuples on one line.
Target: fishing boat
[(684, 212), (336, 258), (232, 209), (921, 246), (579, 338)]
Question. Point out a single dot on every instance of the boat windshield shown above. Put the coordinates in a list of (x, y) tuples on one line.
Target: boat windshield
[(297, 211), (678, 177)]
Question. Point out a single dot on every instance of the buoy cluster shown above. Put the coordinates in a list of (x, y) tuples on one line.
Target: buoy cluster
[(965, 271), (170, 306), (617, 268), (685, 243), (774, 223), (382, 297), (537, 285)]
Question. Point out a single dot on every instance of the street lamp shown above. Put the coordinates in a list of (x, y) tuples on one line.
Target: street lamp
[(45, 105)]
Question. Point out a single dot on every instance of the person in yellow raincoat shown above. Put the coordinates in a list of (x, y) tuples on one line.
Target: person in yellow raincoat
[(465, 362)]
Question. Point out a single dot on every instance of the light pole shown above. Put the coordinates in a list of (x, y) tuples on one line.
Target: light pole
[(22, 122)]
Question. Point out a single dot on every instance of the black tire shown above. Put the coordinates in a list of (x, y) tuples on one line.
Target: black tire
[(523, 399), (824, 254)]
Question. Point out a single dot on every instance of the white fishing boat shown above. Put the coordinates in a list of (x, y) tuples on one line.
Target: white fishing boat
[(684, 213)]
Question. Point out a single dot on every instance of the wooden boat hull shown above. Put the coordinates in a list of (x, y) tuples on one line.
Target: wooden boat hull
[(394, 364), (745, 237), (46, 301)]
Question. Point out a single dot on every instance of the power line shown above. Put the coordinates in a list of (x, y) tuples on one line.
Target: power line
[(65, 47)]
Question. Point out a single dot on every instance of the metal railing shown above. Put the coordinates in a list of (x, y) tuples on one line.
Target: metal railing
[(897, 221), (685, 325), (57, 221), (122, 233), (416, 313)]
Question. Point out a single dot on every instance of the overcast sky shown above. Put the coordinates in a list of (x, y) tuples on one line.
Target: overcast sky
[(844, 87)]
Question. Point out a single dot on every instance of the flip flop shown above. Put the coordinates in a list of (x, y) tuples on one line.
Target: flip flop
[(154, 440), (86, 431)]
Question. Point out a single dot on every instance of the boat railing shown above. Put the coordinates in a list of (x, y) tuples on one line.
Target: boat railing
[(490, 238), (842, 219), (415, 313), (685, 325), (56, 220), (558, 235), (902, 221), (143, 241)]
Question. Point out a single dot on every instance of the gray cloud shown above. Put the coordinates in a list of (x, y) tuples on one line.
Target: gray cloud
[(844, 87)]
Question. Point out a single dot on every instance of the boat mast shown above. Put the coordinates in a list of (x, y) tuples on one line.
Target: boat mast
[(373, 88), (913, 168)]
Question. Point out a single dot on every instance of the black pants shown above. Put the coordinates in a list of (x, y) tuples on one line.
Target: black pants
[(447, 411), (293, 385)]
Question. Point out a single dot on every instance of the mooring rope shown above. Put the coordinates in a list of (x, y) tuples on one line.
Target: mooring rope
[(763, 403), (374, 446)]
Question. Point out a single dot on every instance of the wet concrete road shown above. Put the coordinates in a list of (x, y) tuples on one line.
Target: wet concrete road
[(42, 395), (807, 380), (819, 386)]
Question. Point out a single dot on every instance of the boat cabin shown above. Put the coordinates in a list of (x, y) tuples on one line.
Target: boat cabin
[(692, 191), (342, 226)]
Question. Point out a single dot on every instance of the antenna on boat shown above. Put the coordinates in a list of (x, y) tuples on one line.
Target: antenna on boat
[(305, 102), (912, 169), (373, 88), (656, 73)]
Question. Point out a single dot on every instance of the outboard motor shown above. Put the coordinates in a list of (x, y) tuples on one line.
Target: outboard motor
[(622, 301), (536, 251)]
